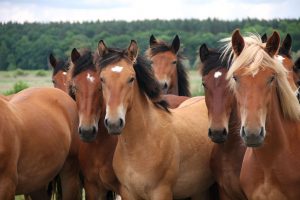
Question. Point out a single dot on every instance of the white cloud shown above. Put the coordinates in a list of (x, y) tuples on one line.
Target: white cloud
[(91, 10)]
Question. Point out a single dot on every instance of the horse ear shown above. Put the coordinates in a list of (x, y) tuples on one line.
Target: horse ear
[(152, 40), (52, 60), (264, 38), (176, 44), (102, 49), (74, 55), (204, 52), (287, 43), (132, 50), (273, 44), (237, 42)]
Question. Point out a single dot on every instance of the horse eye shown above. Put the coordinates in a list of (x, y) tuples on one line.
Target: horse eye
[(102, 80), (53, 81), (204, 85), (131, 80), (234, 78), (174, 62), (271, 79)]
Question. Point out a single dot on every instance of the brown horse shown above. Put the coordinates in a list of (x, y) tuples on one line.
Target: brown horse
[(38, 126), (96, 153), (224, 122), (168, 67), (59, 75), (270, 119), (161, 154)]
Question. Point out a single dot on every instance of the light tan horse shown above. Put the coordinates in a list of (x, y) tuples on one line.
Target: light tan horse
[(38, 126), (270, 119), (161, 154)]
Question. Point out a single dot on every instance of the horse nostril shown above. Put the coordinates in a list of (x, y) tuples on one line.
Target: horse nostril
[(261, 132), (165, 86), (243, 131), (224, 132), (94, 129), (106, 122), (209, 132), (79, 130), (121, 122)]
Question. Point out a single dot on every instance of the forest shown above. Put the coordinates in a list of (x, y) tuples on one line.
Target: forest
[(28, 45)]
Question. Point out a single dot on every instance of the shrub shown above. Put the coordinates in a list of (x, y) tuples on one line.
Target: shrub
[(41, 73), (18, 86), (20, 72)]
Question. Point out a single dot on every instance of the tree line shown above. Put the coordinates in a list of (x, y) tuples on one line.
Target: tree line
[(28, 45)]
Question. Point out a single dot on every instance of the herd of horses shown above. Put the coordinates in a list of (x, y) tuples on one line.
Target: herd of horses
[(124, 126)]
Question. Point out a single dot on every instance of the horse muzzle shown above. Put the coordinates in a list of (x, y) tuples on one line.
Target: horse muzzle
[(114, 127), (218, 136), (88, 133), (253, 137)]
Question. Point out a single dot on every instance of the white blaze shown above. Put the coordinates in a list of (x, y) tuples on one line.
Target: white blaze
[(117, 69), (279, 58), (90, 78), (217, 74)]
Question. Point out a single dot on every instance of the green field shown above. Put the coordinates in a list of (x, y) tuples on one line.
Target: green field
[(36, 78)]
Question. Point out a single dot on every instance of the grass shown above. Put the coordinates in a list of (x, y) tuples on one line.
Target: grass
[(42, 78)]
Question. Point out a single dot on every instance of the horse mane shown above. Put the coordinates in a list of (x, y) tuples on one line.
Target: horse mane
[(146, 80), (61, 66), (83, 63), (214, 60), (182, 76), (256, 58)]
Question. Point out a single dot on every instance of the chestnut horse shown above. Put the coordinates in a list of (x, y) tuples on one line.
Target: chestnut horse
[(59, 75), (224, 122), (37, 143), (270, 119), (161, 154), (96, 152), (168, 67)]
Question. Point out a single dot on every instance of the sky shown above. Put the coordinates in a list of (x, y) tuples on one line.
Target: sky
[(130, 10)]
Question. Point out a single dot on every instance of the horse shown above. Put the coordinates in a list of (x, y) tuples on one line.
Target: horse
[(59, 75), (296, 70), (97, 149), (38, 125), (168, 66), (228, 153), (161, 154), (270, 115)]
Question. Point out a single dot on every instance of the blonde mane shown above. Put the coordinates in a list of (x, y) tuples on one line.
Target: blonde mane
[(254, 58)]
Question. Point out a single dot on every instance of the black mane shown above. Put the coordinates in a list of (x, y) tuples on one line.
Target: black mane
[(215, 60), (144, 75), (61, 66), (182, 76), (85, 62)]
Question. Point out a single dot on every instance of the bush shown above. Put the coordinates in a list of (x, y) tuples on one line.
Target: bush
[(20, 72), (18, 86), (41, 73)]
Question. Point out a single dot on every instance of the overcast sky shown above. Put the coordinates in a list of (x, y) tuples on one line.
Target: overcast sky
[(92, 10)]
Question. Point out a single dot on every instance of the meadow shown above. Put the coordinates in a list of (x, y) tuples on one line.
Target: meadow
[(16, 80)]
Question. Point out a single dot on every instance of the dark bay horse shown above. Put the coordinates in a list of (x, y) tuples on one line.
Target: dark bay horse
[(224, 123), (270, 119), (168, 66), (38, 126), (59, 75), (161, 154), (96, 152)]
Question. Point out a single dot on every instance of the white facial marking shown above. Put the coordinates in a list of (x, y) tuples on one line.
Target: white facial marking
[(217, 74), (65, 73), (90, 78), (279, 58), (117, 69)]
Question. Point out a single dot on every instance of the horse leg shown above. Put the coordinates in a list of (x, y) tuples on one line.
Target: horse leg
[(70, 180), (39, 194), (7, 187)]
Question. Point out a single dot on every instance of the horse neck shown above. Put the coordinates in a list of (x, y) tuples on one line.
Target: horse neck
[(234, 141), (140, 119), (281, 134), (175, 89)]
